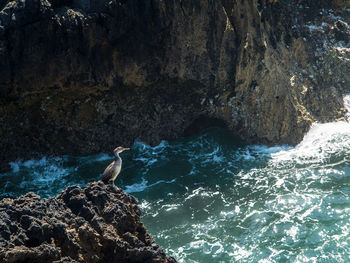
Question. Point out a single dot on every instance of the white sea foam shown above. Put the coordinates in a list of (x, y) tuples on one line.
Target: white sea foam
[(28, 164), (138, 187), (162, 182), (324, 143), (267, 151), (171, 207), (150, 155), (321, 145), (230, 214), (246, 155), (101, 157), (141, 146), (44, 176), (14, 166), (35, 163), (145, 205)]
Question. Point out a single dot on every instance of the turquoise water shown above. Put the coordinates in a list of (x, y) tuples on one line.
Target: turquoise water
[(211, 198)]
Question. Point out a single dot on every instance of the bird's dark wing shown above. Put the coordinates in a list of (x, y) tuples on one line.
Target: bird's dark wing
[(108, 173)]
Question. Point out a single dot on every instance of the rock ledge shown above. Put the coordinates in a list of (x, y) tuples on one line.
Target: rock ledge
[(96, 224)]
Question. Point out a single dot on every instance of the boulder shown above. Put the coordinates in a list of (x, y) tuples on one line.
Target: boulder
[(98, 223)]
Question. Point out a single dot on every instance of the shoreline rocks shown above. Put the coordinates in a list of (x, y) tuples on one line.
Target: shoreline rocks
[(98, 223)]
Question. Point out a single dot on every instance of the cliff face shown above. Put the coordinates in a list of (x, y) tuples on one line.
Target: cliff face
[(96, 224), (83, 76)]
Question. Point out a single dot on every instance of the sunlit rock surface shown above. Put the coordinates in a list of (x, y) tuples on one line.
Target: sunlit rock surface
[(98, 223), (84, 76)]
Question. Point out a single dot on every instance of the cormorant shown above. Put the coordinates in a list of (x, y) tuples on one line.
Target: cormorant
[(112, 170)]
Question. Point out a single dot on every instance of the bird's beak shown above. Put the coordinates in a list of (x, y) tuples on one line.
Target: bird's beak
[(126, 149)]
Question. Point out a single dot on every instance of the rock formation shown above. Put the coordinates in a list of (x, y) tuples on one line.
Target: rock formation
[(83, 76), (96, 224)]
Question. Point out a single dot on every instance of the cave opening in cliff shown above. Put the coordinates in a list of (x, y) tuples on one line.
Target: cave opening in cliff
[(202, 123)]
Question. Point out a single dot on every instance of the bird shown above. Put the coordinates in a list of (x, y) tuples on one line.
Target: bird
[(113, 169)]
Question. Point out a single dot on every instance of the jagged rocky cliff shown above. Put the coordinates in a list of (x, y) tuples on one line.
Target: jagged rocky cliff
[(81, 76), (96, 224)]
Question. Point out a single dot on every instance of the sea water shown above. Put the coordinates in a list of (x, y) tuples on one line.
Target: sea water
[(212, 198)]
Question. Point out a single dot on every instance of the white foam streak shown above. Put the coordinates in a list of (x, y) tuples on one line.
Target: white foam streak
[(135, 188), (140, 187), (143, 147), (16, 166), (102, 157), (323, 144)]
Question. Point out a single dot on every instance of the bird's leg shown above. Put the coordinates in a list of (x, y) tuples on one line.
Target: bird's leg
[(112, 183)]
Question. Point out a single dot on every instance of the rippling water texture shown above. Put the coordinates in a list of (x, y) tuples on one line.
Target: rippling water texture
[(210, 198)]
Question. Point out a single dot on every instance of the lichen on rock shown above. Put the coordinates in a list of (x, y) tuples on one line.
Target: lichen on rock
[(99, 223)]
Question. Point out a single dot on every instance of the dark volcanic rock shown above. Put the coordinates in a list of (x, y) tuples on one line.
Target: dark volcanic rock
[(96, 224), (83, 76)]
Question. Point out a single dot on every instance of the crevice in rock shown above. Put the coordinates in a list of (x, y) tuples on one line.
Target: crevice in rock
[(203, 122)]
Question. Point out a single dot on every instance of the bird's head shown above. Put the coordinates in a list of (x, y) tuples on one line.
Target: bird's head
[(119, 150)]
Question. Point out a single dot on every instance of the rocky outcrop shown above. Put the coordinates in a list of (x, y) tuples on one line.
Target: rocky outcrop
[(96, 224), (83, 76)]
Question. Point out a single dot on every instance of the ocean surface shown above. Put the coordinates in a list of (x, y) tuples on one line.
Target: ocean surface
[(212, 198)]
